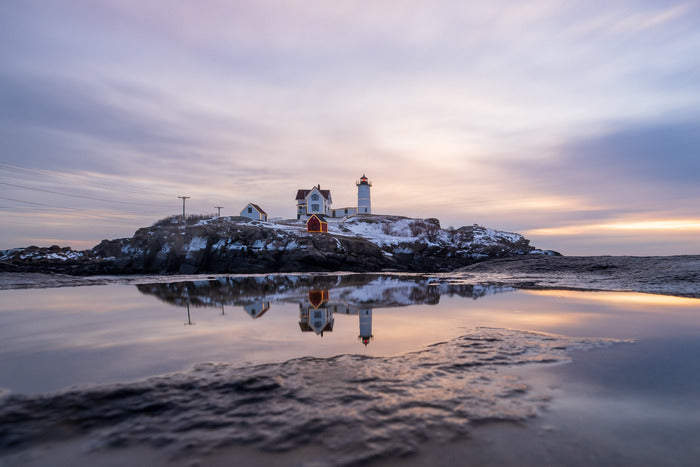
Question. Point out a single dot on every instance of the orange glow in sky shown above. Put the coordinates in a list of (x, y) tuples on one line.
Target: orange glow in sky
[(671, 225)]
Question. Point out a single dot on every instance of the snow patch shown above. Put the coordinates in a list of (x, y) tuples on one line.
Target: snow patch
[(197, 243)]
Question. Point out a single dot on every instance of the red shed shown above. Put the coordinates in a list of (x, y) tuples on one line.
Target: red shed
[(317, 223)]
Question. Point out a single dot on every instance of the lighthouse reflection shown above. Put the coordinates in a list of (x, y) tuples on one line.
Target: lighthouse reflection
[(320, 298), (316, 315)]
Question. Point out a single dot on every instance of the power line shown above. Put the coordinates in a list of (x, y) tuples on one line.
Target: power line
[(53, 208), (37, 207), (73, 178), (62, 176), (73, 196), (38, 204)]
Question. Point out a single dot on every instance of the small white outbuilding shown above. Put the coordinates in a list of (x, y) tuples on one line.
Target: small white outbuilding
[(255, 212)]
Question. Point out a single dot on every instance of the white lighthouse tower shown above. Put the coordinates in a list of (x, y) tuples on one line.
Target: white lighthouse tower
[(364, 203)]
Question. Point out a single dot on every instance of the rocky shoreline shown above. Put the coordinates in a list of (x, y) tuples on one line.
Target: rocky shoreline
[(368, 244), (665, 275), (239, 245)]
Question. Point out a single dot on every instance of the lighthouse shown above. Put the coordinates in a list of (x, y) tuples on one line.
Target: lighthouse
[(364, 203)]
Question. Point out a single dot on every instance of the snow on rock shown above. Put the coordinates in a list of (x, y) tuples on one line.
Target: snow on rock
[(33, 253), (235, 244), (197, 243), (398, 233)]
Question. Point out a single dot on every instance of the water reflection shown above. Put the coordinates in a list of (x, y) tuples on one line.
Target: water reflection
[(189, 319), (319, 297), (254, 309), (317, 315)]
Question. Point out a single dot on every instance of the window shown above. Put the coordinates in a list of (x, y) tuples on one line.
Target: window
[(250, 210), (314, 197), (314, 207)]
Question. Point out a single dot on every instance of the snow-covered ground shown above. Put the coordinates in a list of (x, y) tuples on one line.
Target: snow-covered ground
[(388, 231), (29, 254), (381, 233)]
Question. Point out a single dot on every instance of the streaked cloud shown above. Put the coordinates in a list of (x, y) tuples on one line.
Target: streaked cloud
[(522, 116)]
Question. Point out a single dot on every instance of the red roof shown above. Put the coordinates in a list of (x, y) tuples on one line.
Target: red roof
[(258, 208), (301, 194)]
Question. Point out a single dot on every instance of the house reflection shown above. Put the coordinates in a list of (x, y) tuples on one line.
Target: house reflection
[(256, 309), (317, 315)]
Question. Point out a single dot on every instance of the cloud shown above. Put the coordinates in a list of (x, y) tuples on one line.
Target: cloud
[(635, 167), (519, 116), (656, 152)]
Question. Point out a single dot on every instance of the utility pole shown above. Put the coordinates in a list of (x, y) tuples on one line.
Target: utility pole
[(219, 208), (183, 198)]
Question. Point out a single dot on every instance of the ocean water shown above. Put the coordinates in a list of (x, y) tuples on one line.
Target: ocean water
[(348, 369)]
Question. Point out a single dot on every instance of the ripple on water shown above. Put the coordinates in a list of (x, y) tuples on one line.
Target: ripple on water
[(356, 407)]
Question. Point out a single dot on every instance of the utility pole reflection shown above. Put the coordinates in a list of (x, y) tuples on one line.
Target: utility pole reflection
[(189, 320)]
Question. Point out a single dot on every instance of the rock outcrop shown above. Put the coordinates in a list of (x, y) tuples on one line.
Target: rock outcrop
[(239, 245)]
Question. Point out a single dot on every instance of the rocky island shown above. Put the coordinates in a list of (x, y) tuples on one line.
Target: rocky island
[(241, 245)]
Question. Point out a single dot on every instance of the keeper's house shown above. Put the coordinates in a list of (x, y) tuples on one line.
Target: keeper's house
[(318, 201), (313, 201)]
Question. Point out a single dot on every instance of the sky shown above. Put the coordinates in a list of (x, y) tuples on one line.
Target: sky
[(574, 123)]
